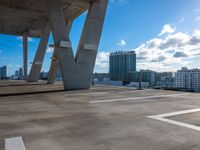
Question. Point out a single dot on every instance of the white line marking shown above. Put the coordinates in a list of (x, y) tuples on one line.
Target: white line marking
[(161, 117), (178, 113), (15, 143), (83, 94), (111, 86), (99, 93), (134, 98)]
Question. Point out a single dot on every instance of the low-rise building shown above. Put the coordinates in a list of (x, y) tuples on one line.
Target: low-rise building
[(101, 76), (143, 76), (188, 79), (164, 80)]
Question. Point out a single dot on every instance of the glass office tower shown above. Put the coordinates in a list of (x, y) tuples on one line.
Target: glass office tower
[(121, 64)]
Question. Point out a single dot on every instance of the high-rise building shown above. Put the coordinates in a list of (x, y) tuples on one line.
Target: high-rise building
[(21, 73), (188, 79), (0, 73), (3, 72), (16, 74), (121, 64), (43, 75)]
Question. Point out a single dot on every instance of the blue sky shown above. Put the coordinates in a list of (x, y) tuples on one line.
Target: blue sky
[(164, 33)]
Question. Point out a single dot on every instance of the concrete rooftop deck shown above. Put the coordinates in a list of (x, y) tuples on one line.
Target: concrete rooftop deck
[(103, 118)]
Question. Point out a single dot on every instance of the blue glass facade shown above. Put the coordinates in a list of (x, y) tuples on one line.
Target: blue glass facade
[(121, 64)]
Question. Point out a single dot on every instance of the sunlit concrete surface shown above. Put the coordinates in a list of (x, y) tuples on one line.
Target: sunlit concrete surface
[(102, 118)]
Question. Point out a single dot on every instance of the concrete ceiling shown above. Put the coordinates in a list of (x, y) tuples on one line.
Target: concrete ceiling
[(19, 16)]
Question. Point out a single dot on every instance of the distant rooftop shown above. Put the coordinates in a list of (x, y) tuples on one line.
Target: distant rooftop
[(122, 52)]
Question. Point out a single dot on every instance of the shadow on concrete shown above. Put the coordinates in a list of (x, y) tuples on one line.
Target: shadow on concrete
[(30, 93), (25, 84)]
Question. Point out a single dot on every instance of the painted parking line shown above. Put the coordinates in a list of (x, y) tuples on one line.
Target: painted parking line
[(162, 117), (135, 98), (15, 143)]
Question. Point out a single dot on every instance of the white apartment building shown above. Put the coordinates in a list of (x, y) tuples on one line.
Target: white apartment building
[(188, 79)]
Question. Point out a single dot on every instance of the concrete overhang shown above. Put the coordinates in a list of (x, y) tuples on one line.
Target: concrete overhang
[(19, 16)]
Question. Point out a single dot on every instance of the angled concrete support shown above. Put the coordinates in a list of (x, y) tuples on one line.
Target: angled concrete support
[(55, 62), (39, 57), (53, 69), (89, 42), (77, 72), (25, 54)]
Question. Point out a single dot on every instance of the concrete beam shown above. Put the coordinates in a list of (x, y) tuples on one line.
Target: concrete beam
[(39, 57), (25, 54), (77, 72)]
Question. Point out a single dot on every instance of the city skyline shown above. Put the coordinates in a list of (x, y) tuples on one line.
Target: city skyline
[(165, 36)]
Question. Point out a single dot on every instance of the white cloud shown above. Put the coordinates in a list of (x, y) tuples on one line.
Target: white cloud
[(50, 50), (169, 53), (197, 10), (120, 1), (167, 29), (21, 38), (197, 18), (102, 62), (121, 43)]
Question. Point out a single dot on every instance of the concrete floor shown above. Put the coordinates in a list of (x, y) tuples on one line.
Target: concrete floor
[(102, 118)]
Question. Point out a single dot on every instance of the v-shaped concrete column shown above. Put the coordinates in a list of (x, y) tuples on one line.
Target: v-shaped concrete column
[(39, 57), (77, 72), (55, 62)]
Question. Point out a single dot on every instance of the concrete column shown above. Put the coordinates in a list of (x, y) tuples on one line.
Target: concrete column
[(63, 49), (90, 38), (25, 54), (54, 68), (77, 72), (39, 57)]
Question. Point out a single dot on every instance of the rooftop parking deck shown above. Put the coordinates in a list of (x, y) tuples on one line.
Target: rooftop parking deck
[(102, 118)]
